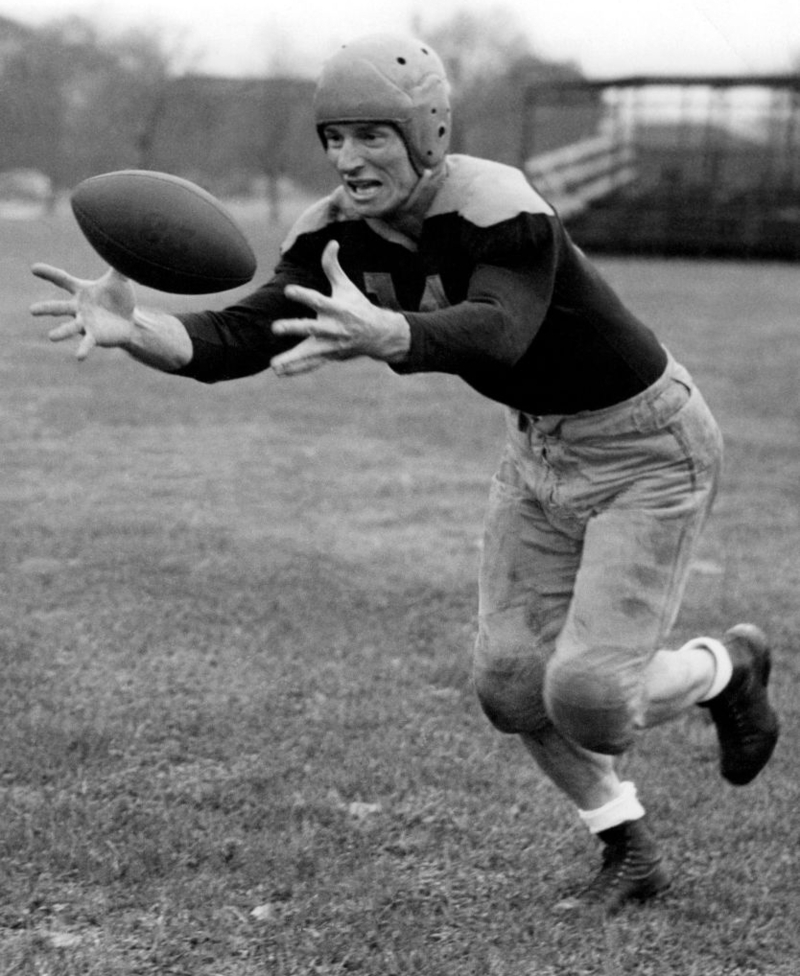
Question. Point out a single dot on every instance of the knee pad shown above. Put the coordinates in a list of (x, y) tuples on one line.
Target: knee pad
[(508, 683), (594, 705), (495, 697)]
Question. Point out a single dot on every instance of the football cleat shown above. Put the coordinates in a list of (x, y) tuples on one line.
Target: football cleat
[(631, 872), (747, 725)]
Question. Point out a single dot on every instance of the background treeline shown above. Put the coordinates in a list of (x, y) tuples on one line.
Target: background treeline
[(77, 102)]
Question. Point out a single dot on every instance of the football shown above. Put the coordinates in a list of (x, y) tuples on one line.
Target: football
[(163, 231)]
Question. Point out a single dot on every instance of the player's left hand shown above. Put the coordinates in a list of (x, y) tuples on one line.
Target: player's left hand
[(347, 325)]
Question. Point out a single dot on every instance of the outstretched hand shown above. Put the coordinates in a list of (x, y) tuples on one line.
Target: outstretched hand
[(347, 325), (100, 311)]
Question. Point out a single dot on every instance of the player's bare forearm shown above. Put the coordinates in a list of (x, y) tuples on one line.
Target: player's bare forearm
[(159, 340)]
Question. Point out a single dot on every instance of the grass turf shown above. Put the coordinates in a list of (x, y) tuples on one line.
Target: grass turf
[(238, 734)]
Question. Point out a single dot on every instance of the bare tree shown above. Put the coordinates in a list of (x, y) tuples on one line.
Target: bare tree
[(490, 60), (475, 46), (76, 102)]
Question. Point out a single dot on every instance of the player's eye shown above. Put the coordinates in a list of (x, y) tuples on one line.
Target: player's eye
[(333, 138), (373, 136)]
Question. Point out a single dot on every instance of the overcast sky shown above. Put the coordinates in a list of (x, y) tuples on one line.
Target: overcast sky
[(605, 37)]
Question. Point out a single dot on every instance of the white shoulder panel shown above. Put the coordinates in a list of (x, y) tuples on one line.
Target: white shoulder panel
[(485, 192)]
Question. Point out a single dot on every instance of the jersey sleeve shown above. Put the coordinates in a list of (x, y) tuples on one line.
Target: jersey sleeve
[(238, 340), (509, 294)]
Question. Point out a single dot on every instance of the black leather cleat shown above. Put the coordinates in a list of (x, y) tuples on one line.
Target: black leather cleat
[(747, 725), (632, 871)]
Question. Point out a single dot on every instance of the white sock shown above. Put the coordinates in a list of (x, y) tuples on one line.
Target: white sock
[(622, 808), (723, 668)]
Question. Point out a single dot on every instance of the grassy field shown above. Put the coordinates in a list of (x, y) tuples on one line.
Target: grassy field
[(238, 733)]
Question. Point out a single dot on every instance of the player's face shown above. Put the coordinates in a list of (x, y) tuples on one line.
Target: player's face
[(373, 165)]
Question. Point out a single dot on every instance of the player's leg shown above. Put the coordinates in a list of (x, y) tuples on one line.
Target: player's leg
[(632, 864), (528, 573), (629, 581), (736, 692), (627, 593), (610, 676), (736, 697), (589, 779), (607, 677), (604, 698), (527, 577), (654, 464)]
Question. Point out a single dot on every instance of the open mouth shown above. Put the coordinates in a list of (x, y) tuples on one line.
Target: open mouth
[(363, 190)]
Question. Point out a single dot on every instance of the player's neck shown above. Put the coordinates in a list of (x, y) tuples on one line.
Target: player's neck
[(409, 219)]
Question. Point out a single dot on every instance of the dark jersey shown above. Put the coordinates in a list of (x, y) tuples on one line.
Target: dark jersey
[(494, 291)]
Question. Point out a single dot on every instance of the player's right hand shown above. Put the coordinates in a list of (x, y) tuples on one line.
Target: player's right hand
[(99, 311)]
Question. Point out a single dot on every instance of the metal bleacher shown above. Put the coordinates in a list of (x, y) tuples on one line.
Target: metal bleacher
[(697, 166)]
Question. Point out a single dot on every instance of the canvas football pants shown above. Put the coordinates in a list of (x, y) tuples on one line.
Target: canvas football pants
[(590, 528)]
